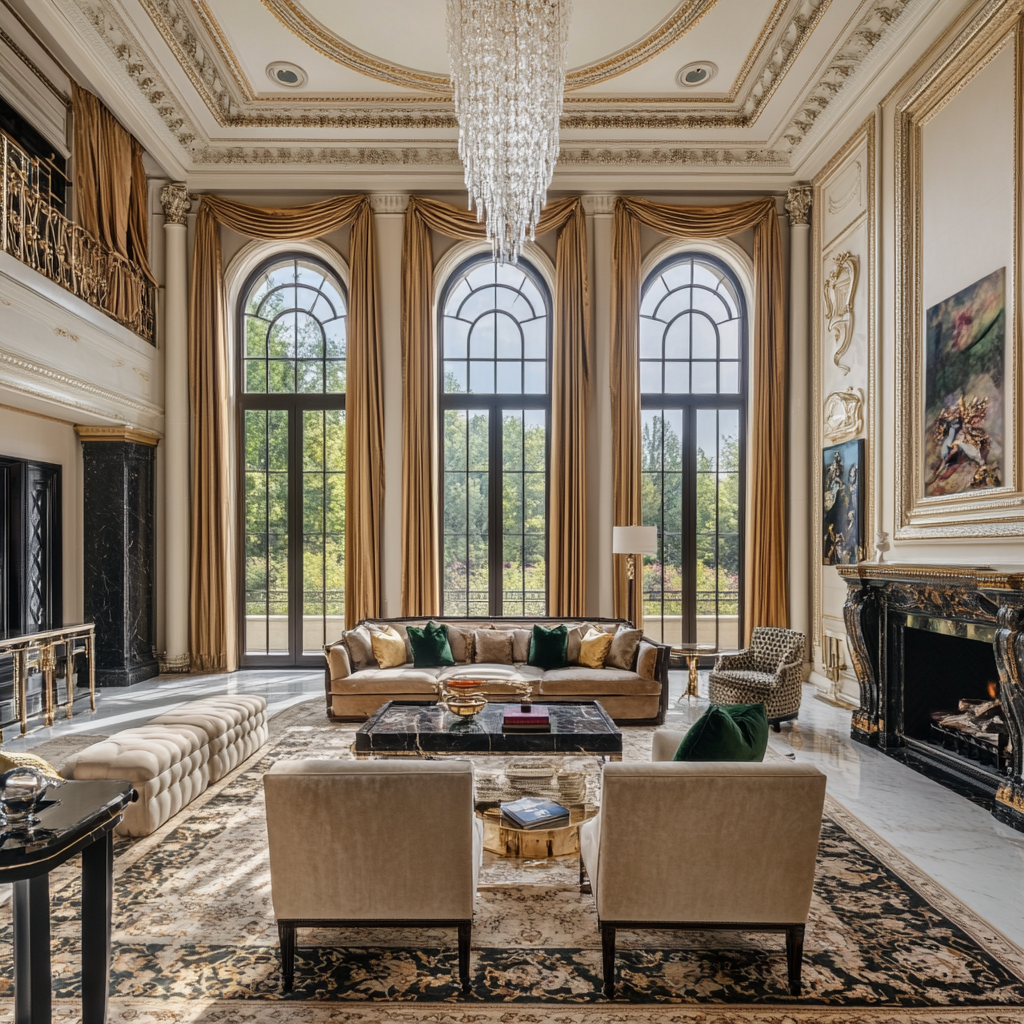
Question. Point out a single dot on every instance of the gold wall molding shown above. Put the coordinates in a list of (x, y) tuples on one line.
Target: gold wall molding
[(863, 140), (88, 432), (843, 415), (838, 294), (997, 511)]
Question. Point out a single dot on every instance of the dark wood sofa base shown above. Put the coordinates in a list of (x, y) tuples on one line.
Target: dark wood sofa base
[(286, 934), (794, 943)]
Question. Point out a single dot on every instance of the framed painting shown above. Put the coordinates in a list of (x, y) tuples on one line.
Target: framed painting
[(842, 472), (964, 389)]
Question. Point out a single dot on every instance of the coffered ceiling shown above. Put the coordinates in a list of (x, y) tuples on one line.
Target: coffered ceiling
[(190, 78)]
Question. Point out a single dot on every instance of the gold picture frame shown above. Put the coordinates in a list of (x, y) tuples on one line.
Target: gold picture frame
[(995, 511)]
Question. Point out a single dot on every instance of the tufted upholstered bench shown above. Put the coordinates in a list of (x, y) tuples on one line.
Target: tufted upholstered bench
[(176, 756)]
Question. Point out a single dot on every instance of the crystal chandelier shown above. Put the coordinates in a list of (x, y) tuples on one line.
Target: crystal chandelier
[(508, 76)]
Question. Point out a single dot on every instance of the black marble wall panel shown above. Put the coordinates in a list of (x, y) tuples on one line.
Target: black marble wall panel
[(119, 558)]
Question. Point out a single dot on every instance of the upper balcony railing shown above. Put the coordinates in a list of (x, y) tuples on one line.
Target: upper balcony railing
[(35, 231)]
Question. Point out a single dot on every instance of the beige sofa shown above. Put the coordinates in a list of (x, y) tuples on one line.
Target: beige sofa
[(355, 690)]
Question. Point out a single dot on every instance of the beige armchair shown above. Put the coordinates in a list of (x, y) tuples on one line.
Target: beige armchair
[(703, 845), (372, 843)]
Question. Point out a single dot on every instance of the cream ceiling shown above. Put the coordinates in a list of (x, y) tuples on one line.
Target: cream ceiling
[(189, 76)]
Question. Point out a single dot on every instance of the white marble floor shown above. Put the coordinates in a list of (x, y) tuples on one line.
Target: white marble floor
[(955, 841)]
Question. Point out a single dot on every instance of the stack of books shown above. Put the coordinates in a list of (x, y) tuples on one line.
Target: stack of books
[(534, 812), (526, 718)]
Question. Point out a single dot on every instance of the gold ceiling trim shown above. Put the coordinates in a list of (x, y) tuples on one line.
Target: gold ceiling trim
[(330, 44)]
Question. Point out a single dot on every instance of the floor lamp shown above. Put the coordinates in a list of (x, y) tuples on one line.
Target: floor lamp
[(632, 541)]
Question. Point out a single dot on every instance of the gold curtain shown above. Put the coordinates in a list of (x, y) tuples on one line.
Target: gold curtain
[(766, 559), (569, 376), (211, 611), (111, 197)]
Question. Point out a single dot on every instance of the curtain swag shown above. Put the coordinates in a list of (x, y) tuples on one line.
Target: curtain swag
[(571, 360), (211, 606), (766, 560)]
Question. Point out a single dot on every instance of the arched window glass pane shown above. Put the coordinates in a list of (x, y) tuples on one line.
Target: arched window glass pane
[(495, 333), (691, 348), (294, 328)]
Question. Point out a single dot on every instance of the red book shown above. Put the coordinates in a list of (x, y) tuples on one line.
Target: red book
[(537, 716)]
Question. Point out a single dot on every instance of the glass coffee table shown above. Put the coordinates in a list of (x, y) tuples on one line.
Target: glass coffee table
[(419, 728)]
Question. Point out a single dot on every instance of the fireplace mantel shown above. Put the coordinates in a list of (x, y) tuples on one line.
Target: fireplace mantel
[(980, 602)]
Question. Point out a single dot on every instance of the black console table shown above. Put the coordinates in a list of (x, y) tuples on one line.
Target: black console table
[(891, 611), (79, 817)]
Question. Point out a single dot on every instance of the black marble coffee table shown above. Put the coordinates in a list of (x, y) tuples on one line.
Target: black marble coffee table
[(422, 728)]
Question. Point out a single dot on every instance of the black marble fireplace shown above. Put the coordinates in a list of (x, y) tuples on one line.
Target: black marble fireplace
[(939, 654)]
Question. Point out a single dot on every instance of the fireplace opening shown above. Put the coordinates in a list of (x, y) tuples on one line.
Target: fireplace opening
[(951, 698)]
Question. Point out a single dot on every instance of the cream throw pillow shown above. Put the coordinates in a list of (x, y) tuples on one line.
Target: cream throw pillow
[(623, 649), (493, 646), (594, 648), (388, 647)]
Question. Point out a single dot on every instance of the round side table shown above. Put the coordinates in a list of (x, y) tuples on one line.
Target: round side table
[(693, 653)]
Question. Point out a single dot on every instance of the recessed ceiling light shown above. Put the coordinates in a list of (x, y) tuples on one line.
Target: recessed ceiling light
[(291, 76), (697, 73)]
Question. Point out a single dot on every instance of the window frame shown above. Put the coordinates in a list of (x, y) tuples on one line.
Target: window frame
[(295, 403), (689, 403), (493, 402)]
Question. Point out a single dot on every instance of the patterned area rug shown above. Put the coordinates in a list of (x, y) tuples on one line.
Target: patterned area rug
[(195, 938)]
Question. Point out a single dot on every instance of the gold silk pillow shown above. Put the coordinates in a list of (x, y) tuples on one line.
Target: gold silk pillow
[(388, 647), (493, 646), (594, 648)]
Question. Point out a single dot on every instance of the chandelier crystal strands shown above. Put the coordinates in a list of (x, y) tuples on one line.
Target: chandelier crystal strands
[(508, 76)]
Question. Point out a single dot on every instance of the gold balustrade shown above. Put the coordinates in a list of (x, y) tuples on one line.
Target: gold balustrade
[(34, 231), (39, 651)]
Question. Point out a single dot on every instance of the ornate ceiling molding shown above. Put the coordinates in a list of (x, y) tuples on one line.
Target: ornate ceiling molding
[(330, 44), (189, 28)]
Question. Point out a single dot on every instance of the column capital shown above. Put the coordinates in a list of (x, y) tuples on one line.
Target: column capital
[(798, 205), (389, 202), (598, 202), (176, 201)]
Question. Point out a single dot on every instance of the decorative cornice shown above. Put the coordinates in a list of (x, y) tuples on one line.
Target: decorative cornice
[(598, 203), (389, 202), (88, 432), (856, 48), (69, 385), (176, 201), (798, 205)]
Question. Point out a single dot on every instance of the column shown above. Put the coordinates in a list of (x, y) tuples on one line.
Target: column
[(600, 486), (118, 550), (801, 543), (175, 456), (389, 217)]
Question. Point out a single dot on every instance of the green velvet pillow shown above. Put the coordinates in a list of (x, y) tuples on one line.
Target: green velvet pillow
[(430, 647), (726, 732), (549, 647)]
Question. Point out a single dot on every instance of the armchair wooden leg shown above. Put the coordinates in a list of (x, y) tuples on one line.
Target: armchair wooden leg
[(286, 936), (794, 956), (776, 725), (585, 886), (608, 956), (465, 937)]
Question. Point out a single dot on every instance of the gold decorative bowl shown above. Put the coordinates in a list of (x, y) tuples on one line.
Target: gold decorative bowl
[(465, 706)]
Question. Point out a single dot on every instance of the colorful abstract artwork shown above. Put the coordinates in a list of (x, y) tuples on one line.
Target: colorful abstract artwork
[(841, 472), (965, 357)]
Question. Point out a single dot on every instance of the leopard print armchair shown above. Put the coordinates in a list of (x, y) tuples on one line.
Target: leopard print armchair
[(769, 671)]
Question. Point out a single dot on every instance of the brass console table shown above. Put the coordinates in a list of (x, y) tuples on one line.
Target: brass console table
[(39, 651)]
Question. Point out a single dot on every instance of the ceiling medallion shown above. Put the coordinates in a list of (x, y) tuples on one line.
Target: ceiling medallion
[(696, 73), (508, 62), (291, 76)]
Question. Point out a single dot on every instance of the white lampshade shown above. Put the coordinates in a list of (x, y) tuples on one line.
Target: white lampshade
[(634, 540)]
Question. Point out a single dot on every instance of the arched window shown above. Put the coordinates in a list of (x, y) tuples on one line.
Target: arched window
[(494, 372), (291, 409), (693, 386)]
